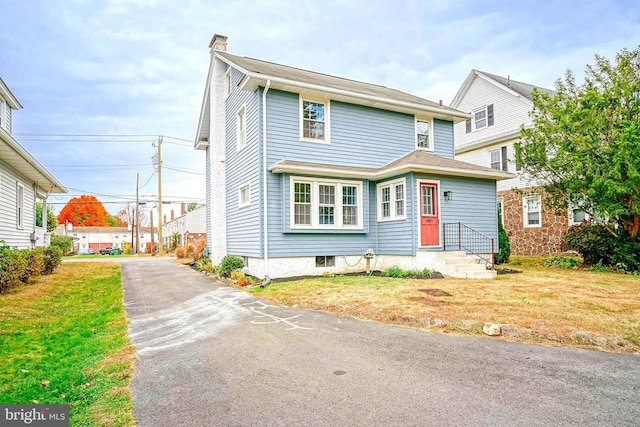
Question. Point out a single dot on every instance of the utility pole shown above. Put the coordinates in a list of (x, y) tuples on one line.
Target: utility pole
[(137, 215), (160, 242), (153, 252)]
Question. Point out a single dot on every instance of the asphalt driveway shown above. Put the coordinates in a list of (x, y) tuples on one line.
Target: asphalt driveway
[(211, 355)]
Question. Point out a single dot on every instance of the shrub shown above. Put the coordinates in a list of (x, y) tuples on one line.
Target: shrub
[(240, 278), (35, 263), (394, 272), (52, 259), (13, 267), (230, 263), (398, 272), (598, 246), (504, 250), (564, 262), (180, 253), (64, 243), (198, 249)]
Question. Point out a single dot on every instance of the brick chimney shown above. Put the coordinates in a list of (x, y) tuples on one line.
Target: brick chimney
[(172, 215), (164, 219), (218, 42), (182, 209)]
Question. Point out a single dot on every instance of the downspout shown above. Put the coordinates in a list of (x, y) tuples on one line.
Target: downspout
[(265, 230)]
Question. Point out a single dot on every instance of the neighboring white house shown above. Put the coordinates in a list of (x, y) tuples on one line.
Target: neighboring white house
[(97, 238), (23, 183), (189, 226), (499, 107)]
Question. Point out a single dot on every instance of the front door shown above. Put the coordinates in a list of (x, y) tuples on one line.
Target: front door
[(429, 221)]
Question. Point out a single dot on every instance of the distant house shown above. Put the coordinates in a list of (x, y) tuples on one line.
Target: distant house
[(98, 238), (499, 107), (23, 183), (309, 173), (188, 227)]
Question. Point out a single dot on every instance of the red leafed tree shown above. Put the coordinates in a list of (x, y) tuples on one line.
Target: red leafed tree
[(84, 211)]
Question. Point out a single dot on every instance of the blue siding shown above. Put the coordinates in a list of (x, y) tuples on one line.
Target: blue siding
[(243, 224), (359, 136), (443, 138), (396, 237)]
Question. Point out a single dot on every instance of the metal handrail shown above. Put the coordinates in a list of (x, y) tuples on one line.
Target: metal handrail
[(456, 234)]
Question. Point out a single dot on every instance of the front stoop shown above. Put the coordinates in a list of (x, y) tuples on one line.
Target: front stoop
[(462, 266)]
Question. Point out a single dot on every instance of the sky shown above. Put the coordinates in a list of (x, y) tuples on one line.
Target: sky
[(101, 80)]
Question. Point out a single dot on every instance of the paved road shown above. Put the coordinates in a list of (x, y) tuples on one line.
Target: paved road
[(211, 355)]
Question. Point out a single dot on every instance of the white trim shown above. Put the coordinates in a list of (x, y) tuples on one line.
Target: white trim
[(3, 115), (419, 213), (525, 212), (227, 83), (430, 141), (241, 127), (247, 186), (325, 102), (315, 203), (500, 201), (392, 187), (474, 127)]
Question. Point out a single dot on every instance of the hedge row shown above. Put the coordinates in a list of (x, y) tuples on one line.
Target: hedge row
[(17, 266)]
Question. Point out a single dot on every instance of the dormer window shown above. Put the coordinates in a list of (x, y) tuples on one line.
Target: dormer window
[(423, 135), (314, 120), (482, 118)]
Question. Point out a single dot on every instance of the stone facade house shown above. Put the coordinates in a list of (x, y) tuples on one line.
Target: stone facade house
[(499, 107)]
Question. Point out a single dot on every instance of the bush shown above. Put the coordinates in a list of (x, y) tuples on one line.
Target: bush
[(198, 249), (35, 263), (564, 262), (13, 267), (52, 259), (230, 263), (504, 251), (64, 243), (598, 246)]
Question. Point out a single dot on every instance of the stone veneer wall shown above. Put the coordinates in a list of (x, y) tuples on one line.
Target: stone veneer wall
[(544, 240)]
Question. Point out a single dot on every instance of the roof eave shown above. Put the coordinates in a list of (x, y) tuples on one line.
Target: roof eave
[(252, 81)]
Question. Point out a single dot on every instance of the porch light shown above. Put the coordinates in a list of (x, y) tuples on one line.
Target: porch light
[(448, 195)]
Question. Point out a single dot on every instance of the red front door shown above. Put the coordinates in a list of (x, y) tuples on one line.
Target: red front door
[(429, 221)]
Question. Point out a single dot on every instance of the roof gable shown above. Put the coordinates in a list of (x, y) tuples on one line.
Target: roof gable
[(514, 87)]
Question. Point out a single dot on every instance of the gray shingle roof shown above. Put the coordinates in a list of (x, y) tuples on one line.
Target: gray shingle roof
[(524, 89), (269, 69)]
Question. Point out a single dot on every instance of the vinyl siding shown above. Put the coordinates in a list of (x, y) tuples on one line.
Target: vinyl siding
[(510, 111), (397, 236), (243, 223), (443, 138), (11, 235)]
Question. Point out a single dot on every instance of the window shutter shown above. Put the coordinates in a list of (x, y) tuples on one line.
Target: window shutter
[(504, 158), (518, 166), (490, 115), (468, 125)]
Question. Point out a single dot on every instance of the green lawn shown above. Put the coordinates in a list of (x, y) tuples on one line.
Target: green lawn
[(64, 341)]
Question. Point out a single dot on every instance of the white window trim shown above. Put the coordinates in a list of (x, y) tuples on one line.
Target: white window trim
[(500, 202), (486, 118), (315, 202), (327, 133), (241, 136), (392, 201), (227, 83), (430, 140), (525, 217), (19, 206), (246, 185)]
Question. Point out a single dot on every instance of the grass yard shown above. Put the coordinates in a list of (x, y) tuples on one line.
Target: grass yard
[(545, 305), (64, 341)]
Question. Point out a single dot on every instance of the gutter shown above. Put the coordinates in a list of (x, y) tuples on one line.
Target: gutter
[(265, 228)]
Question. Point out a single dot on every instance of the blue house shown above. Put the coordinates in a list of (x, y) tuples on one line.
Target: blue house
[(309, 173)]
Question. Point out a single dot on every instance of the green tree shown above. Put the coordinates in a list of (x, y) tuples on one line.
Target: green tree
[(192, 206), (52, 220), (504, 251), (584, 145), (112, 220), (64, 243)]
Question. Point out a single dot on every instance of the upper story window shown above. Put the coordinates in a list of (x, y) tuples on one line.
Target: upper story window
[(391, 200), (227, 83), (499, 158), (482, 118), (241, 128), (423, 135), (3, 114), (314, 120), (532, 209), (325, 203)]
